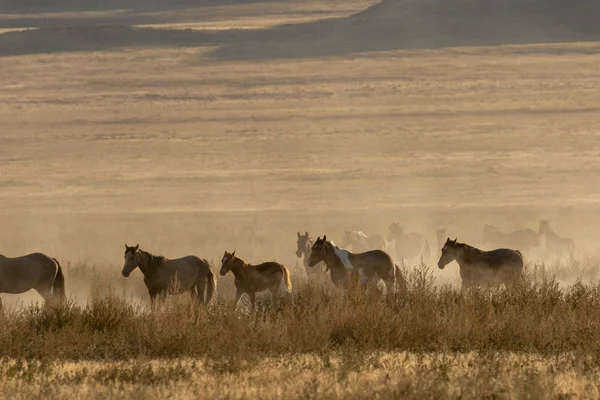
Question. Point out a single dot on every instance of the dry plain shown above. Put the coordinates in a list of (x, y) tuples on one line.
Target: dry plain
[(188, 152)]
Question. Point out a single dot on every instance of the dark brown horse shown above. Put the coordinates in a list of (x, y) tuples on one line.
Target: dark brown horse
[(371, 266), (482, 268), (251, 279), (34, 271), (162, 275), (304, 243)]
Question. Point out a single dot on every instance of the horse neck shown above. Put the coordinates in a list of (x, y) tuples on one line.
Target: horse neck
[(466, 253), (399, 236), (307, 248), (146, 263), (550, 234), (333, 261), (239, 268)]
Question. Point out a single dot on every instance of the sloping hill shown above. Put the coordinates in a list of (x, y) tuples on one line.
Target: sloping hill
[(389, 25), (396, 24)]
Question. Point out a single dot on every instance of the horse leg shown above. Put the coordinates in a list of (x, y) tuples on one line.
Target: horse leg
[(153, 295), (252, 296), (46, 293), (238, 295), (200, 287), (390, 284)]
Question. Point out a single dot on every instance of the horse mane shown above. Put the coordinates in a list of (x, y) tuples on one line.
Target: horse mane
[(154, 262), (471, 249)]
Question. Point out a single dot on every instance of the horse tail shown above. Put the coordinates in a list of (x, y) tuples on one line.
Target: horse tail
[(286, 280), (399, 278), (211, 284), (426, 251), (58, 286)]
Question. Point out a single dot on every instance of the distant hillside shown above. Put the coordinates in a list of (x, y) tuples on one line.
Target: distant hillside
[(398, 24), (25, 6), (389, 25)]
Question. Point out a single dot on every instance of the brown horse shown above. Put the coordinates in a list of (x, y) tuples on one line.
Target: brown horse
[(34, 271), (482, 268), (371, 266), (361, 242), (304, 244), (408, 245), (251, 279), (162, 276), (555, 245), (525, 239)]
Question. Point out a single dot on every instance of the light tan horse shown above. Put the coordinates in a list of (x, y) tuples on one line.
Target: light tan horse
[(555, 245), (525, 239), (359, 242), (33, 271), (482, 268), (408, 245), (371, 266), (161, 275), (251, 279)]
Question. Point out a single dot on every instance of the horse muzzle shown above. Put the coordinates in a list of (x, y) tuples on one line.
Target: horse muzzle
[(298, 254), (222, 273), (441, 265), (126, 273)]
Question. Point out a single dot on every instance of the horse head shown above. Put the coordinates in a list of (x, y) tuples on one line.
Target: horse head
[(318, 251), (302, 244), (132, 259), (227, 262), (450, 252), (395, 231)]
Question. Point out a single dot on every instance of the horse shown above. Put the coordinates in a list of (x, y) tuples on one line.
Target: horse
[(408, 245), (525, 239), (32, 271), (371, 266), (361, 242), (440, 234), (251, 279), (555, 245), (303, 251), (161, 275), (479, 268)]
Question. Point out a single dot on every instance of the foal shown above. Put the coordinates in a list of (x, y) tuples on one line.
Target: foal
[(251, 279)]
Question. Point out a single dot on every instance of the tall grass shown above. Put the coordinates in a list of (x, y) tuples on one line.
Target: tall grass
[(534, 316)]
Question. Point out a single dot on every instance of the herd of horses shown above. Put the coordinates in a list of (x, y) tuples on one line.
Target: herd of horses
[(363, 257)]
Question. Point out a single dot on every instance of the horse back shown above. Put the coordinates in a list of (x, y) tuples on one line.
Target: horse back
[(372, 260), (504, 257), (268, 267)]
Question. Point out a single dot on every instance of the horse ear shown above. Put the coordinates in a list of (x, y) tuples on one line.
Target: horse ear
[(455, 240), (137, 246), (233, 254), (299, 234), (126, 247), (324, 238), (306, 233)]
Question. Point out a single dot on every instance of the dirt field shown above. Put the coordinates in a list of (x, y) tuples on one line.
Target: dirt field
[(193, 149)]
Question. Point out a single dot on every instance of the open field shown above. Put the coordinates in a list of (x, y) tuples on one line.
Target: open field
[(197, 141)]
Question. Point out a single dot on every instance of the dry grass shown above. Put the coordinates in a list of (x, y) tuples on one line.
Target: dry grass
[(346, 376), (535, 339)]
